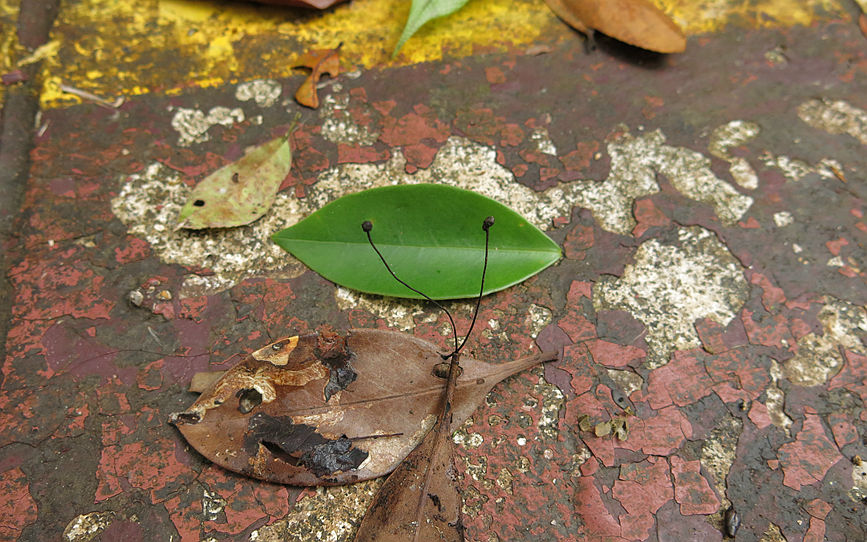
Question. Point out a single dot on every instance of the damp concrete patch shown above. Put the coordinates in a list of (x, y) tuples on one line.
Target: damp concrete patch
[(672, 283), (148, 204), (819, 356)]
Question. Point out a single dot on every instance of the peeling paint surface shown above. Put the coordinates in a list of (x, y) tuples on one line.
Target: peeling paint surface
[(710, 304), (672, 285)]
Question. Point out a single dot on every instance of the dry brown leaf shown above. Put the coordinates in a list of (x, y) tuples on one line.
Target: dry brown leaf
[(420, 500), (320, 62), (636, 22), (327, 409), (318, 4)]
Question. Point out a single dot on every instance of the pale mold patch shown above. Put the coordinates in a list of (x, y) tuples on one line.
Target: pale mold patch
[(835, 117), (733, 134), (783, 219), (819, 356), (836, 261), (86, 527), (331, 515), (192, 125), (337, 124), (264, 92), (462, 437), (149, 202), (794, 170), (669, 287)]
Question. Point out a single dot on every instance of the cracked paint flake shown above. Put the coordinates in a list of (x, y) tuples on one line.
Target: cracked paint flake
[(671, 285), (734, 134), (806, 460), (332, 514), (818, 357), (192, 125), (835, 117), (149, 202), (263, 92)]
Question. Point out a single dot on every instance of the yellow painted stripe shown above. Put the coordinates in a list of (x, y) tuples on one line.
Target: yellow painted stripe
[(113, 48)]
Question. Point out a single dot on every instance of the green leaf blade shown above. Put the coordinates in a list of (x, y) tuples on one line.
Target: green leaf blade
[(424, 11), (431, 235)]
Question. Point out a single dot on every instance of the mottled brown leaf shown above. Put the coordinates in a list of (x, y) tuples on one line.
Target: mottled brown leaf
[(636, 22), (320, 62), (327, 409)]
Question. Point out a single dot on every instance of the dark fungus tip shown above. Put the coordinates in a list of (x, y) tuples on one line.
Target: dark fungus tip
[(488, 223), (367, 225)]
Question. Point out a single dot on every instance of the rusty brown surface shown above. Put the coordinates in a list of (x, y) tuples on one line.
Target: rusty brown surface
[(710, 206)]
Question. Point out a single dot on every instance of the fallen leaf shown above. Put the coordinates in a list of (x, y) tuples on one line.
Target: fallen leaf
[(326, 409), (423, 11), (318, 4), (320, 62), (426, 233), (240, 192), (636, 22), (420, 500)]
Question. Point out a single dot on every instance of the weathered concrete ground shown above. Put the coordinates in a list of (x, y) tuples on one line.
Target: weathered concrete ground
[(711, 210)]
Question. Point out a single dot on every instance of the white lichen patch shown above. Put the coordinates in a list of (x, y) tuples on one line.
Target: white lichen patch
[(733, 134), (338, 125), (542, 140), (670, 286), (331, 515), (192, 125), (86, 527), (819, 356), (835, 117), (794, 170), (264, 92), (538, 318), (627, 381), (212, 505), (149, 202), (859, 481), (553, 401), (783, 219), (718, 453), (775, 400)]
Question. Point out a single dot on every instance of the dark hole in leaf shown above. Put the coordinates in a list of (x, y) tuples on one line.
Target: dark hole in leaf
[(235, 177), (189, 418), (280, 453), (333, 456), (248, 399), (436, 501), (199, 203)]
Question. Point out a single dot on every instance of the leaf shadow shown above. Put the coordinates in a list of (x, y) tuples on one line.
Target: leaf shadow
[(629, 54)]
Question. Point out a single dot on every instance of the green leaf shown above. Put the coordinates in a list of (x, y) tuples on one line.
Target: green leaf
[(431, 235), (240, 192), (423, 11)]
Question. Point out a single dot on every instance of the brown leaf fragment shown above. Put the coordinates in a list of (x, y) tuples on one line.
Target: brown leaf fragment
[(636, 22), (420, 500), (862, 23), (202, 381), (368, 390), (602, 429), (320, 62)]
